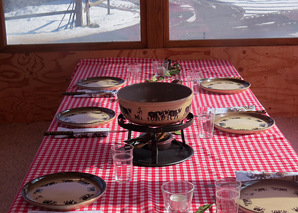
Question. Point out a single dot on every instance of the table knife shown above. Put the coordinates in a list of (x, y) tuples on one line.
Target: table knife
[(89, 93), (100, 133), (228, 77)]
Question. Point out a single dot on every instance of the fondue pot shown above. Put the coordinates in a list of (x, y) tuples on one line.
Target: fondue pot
[(155, 103)]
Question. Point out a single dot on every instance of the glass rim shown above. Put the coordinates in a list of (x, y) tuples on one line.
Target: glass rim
[(182, 181), (227, 181)]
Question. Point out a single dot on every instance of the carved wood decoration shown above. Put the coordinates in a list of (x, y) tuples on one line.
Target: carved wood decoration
[(31, 83)]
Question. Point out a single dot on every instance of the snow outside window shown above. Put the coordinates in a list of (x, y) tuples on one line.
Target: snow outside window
[(71, 21), (233, 19)]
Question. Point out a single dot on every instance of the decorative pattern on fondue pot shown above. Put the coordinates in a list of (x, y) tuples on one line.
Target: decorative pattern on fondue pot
[(164, 115)]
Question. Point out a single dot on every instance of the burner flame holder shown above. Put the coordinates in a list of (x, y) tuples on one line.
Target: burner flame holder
[(188, 121)]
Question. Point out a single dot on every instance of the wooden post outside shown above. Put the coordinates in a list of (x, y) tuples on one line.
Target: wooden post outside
[(87, 6), (109, 10), (79, 13)]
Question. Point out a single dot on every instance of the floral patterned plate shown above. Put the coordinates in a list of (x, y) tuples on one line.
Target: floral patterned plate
[(100, 83), (64, 191), (224, 85), (86, 116), (243, 122), (269, 196)]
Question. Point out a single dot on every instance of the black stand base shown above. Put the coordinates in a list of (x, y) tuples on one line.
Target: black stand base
[(177, 153)]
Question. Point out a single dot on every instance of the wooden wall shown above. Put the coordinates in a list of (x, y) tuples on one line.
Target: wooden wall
[(31, 83)]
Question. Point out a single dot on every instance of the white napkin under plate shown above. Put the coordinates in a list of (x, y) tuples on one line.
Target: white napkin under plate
[(84, 132), (258, 175), (96, 93), (235, 109)]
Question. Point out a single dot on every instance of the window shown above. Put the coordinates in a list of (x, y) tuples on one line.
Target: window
[(71, 21), (58, 25), (233, 19)]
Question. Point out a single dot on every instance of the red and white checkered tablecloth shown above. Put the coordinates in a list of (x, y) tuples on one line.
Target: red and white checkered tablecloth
[(213, 158)]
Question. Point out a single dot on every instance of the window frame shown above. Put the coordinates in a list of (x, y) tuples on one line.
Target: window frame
[(154, 34)]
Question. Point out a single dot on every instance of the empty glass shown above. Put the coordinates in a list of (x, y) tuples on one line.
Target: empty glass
[(133, 73), (123, 162), (206, 117), (193, 80)]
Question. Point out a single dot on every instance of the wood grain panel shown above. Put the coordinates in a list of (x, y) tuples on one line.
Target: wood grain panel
[(31, 83)]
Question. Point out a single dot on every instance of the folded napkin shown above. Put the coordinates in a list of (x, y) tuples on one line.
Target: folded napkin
[(235, 109), (258, 175), (96, 93), (81, 132)]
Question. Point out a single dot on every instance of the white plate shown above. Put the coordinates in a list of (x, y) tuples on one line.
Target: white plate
[(100, 83), (64, 191), (243, 122), (270, 196), (86, 116), (224, 85)]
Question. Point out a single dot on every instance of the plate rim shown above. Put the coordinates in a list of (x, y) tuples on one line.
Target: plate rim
[(227, 91), (253, 114), (252, 182), (63, 112), (120, 80), (98, 180)]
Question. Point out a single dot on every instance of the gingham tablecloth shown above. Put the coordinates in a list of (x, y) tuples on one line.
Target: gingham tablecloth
[(213, 158)]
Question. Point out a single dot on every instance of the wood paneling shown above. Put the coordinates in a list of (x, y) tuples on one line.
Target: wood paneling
[(31, 83)]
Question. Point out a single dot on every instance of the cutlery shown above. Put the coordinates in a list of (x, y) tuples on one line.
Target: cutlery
[(228, 77), (243, 183), (97, 93), (253, 111), (100, 133), (98, 211), (256, 111)]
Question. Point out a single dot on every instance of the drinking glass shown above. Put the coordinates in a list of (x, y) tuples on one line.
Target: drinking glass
[(177, 195), (123, 162), (133, 73), (227, 195), (206, 117), (193, 79)]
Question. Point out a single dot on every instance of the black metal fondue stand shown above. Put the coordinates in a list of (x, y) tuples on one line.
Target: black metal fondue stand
[(175, 154)]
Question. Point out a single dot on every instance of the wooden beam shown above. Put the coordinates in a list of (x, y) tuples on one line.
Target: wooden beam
[(143, 22), (3, 41), (166, 21), (155, 23)]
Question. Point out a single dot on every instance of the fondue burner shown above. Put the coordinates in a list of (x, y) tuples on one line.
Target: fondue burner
[(159, 153)]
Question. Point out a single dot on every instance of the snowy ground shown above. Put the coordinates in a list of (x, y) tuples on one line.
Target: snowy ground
[(46, 27), (49, 29), (253, 7)]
